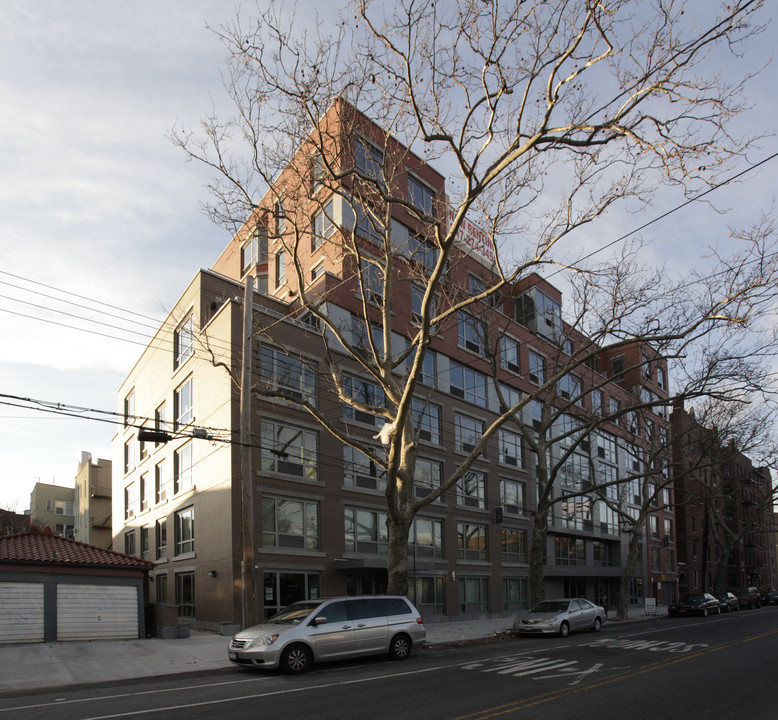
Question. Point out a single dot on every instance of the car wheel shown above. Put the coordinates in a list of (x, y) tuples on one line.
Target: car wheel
[(296, 659), (564, 629), (400, 647), (729, 608), (704, 611), (597, 625)]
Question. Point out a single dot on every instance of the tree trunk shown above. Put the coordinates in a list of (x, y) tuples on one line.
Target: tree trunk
[(629, 573), (537, 554), (397, 555)]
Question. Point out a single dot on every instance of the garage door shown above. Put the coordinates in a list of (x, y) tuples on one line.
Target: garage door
[(97, 612), (21, 612)]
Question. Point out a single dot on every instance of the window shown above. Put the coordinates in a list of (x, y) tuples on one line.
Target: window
[(512, 494), (185, 594), (422, 252), (427, 419), (317, 271), (369, 160), (514, 545), (653, 524), (323, 225), (160, 419), (575, 472), (646, 366), (577, 514), (471, 490), (468, 384), (509, 354), (511, 397), (160, 538), (473, 595), (372, 280), (361, 471), (129, 455), (467, 432), (130, 500), (661, 378), (511, 448), (427, 537), (471, 541), (254, 250), (604, 554), (289, 375), (289, 450), (569, 551), (428, 594), (290, 523), (571, 388), (656, 564), (537, 368), (144, 542), (161, 583), (420, 195), (183, 342), (597, 402), (161, 481), (607, 447), (369, 225), (280, 268), (129, 542), (615, 408), (549, 311), (184, 530), (146, 492), (668, 523), (183, 477), (279, 214), (182, 402), (317, 171), (417, 300), (366, 531), (428, 372), (365, 394), (129, 409), (515, 594), (426, 477), (283, 588), (617, 369), (472, 334)]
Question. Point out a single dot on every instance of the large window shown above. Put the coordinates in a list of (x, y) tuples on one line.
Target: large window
[(372, 280), (160, 538), (511, 448), (183, 477), (468, 384), (185, 594), (471, 541), (471, 489), (426, 477), (428, 594), (183, 404), (323, 224), (289, 450), (369, 225), (427, 419), (570, 388), (361, 471), (515, 593), (420, 195), (183, 342), (288, 375), (366, 531), (369, 160), (427, 538), (537, 368), (283, 588), (576, 471), (428, 374), (569, 551), (509, 354), (366, 395), (514, 545), (607, 447), (254, 251), (472, 335), (288, 523), (512, 496), (577, 513), (467, 432), (184, 531), (473, 594)]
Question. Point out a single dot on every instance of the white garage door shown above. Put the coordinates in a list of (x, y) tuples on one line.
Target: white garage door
[(21, 612), (97, 612)]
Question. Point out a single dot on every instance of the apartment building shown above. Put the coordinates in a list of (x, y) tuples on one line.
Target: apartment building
[(318, 507), (93, 502), (53, 506)]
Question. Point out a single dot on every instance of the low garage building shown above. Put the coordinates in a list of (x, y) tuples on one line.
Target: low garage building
[(54, 588)]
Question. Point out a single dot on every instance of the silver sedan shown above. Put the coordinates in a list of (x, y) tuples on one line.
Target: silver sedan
[(560, 617)]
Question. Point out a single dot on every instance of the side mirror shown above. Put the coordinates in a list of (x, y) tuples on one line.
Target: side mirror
[(319, 620)]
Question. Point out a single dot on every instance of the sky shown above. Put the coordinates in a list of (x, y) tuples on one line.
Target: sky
[(100, 210)]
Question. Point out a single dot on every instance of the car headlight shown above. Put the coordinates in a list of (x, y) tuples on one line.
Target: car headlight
[(264, 640)]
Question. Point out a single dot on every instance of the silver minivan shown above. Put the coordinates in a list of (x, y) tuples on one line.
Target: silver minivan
[(330, 629)]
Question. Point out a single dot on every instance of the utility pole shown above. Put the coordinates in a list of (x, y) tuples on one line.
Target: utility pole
[(246, 473)]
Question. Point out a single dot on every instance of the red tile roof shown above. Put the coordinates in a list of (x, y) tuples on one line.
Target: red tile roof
[(42, 546)]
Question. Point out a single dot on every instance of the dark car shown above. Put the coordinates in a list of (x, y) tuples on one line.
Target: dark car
[(694, 604), (727, 602), (771, 598), (748, 597)]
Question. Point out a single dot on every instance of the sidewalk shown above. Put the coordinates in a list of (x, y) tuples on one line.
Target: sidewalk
[(49, 665)]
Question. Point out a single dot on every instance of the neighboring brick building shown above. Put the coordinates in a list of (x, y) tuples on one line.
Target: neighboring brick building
[(319, 507)]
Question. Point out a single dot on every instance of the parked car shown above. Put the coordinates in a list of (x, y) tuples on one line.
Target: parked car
[(771, 598), (694, 604), (748, 597), (727, 602), (560, 617), (330, 629)]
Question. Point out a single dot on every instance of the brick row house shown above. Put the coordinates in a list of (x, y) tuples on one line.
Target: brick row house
[(318, 503)]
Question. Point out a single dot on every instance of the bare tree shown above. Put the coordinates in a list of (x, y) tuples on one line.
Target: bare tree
[(543, 115)]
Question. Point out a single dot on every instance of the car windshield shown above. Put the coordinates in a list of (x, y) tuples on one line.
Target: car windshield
[(550, 606), (294, 614)]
